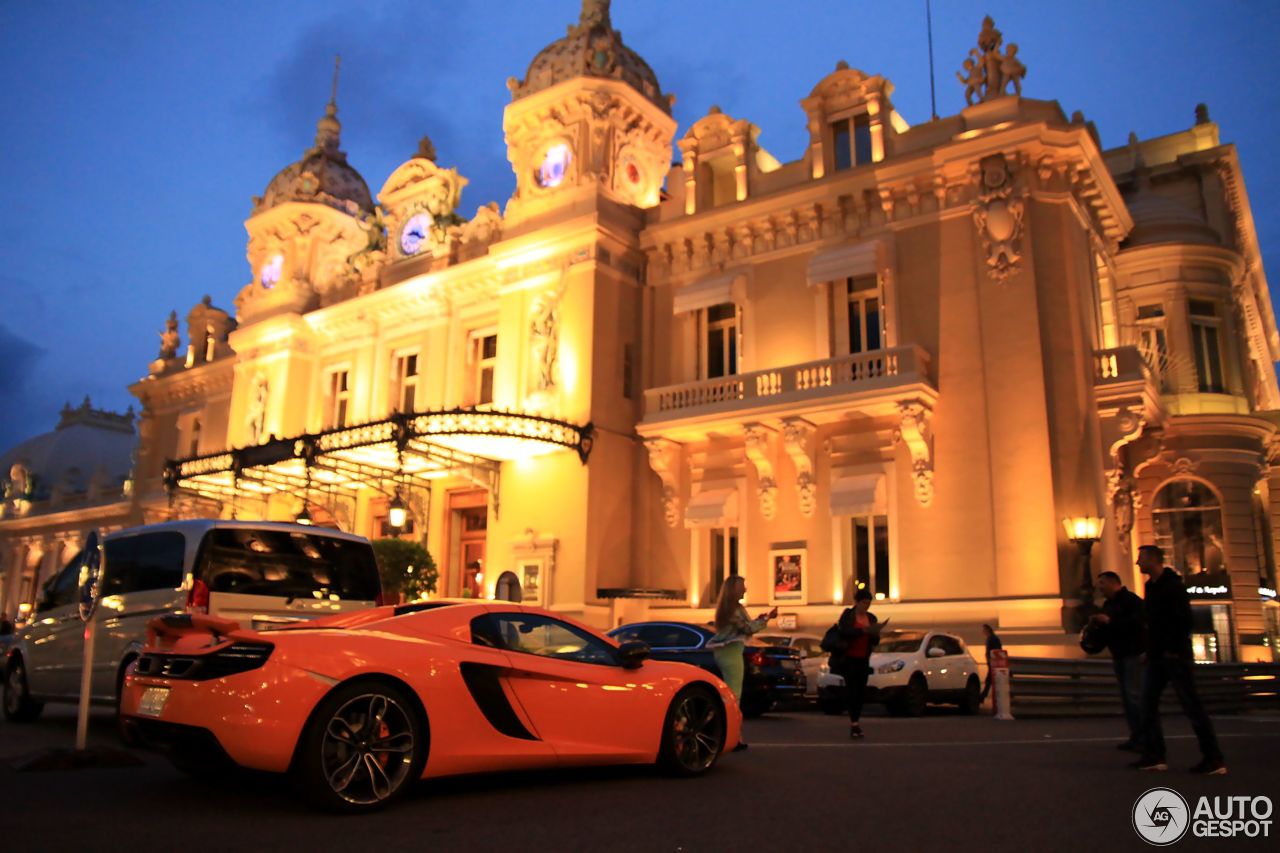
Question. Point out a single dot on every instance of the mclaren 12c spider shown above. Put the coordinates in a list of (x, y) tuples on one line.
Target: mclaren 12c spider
[(358, 706)]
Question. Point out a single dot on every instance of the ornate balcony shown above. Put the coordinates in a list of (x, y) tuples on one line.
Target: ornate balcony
[(1124, 379), (870, 380)]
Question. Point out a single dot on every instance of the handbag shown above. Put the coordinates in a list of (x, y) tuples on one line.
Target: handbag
[(833, 642)]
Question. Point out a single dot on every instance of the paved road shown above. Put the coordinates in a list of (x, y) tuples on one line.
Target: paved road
[(943, 782)]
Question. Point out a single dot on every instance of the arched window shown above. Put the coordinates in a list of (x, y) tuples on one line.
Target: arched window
[(1188, 524), (508, 588)]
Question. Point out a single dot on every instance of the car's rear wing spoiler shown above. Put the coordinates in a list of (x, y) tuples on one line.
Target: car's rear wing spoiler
[(173, 626)]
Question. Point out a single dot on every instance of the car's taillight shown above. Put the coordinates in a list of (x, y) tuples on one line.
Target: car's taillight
[(754, 657), (198, 597)]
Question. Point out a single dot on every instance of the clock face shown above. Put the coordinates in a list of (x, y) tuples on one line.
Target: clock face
[(270, 272), (555, 165), (413, 237)]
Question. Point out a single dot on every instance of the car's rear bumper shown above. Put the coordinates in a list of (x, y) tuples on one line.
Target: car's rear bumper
[(254, 718)]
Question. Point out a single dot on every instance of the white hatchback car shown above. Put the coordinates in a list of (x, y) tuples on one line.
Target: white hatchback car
[(812, 658), (910, 669)]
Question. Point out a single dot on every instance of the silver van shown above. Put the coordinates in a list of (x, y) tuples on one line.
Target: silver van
[(257, 573)]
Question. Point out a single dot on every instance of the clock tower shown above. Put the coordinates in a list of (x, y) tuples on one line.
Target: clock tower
[(588, 116)]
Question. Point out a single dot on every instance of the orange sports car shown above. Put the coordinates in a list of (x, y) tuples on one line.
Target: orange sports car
[(358, 705)]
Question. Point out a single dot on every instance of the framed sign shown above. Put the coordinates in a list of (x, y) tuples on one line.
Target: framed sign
[(788, 581)]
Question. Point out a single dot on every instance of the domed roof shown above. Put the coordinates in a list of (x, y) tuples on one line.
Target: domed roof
[(593, 48), (322, 176), (1160, 219), (90, 447)]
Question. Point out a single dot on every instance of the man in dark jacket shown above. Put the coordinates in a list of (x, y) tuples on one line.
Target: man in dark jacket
[(1169, 660), (1124, 619)]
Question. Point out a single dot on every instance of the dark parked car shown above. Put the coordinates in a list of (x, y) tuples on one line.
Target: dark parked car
[(771, 673)]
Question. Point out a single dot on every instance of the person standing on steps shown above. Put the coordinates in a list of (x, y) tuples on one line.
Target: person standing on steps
[(860, 628), (733, 626), (1169, 659)]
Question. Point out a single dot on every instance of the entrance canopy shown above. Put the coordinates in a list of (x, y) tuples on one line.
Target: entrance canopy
[(403, 448)]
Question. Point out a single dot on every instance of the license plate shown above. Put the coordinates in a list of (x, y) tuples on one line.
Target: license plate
[(153, 699)]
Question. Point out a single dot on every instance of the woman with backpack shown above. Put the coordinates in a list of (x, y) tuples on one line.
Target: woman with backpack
[(859, 633)]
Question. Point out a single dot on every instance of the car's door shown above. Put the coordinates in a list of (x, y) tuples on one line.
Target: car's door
[(944, 670), (959, 665), (54, 641), (141, 577), (580, 698)]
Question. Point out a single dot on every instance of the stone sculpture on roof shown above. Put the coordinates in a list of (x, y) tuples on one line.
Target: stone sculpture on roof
[(987, 73), (169, 338)]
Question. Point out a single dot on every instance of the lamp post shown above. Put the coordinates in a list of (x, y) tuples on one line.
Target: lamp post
[(1083, 530), (397, 513)]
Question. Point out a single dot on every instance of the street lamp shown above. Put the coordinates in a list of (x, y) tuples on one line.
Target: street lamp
[(1084, 530), (397, 512), (304, 517)]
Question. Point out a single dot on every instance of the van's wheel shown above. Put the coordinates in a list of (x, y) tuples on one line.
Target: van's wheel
[(364, 747), (916, 697), (972, 701), (693, 733), (18, 704)]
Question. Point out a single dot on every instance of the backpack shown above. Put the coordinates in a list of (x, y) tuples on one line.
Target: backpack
[(833, 642)]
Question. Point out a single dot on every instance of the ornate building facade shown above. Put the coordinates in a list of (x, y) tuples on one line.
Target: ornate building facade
[(898, 362)]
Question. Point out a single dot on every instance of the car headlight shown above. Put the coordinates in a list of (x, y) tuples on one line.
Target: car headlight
[(892, 666)]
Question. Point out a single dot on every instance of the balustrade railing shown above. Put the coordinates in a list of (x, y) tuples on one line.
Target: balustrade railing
[(814, 378)]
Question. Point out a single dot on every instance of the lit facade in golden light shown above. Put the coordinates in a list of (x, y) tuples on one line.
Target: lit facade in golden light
[(898, 363)]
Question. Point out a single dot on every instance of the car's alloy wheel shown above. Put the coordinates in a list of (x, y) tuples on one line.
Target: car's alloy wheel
[(695, 731), (363, 748), (917, 696), (18, 704)]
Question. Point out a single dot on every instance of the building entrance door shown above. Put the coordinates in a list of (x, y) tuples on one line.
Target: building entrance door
[(468, 531)]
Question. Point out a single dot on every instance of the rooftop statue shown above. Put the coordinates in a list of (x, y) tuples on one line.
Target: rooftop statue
[(988, 74), (169, 337)]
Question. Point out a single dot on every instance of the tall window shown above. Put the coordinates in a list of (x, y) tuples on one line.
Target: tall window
[(1151, 341), (404, 382), (863, 295), (721, 340), (724, 558), (1188, 524), (337, 398), (870, 541), (851, 141), (1204, 339), (484, 361)]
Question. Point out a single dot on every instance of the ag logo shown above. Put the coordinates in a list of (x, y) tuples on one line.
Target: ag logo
[(1161, 816)]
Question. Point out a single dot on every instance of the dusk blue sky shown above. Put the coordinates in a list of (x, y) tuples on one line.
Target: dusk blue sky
[(136, 133)]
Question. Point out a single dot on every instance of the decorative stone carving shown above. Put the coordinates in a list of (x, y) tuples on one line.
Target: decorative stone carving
[(998, 216), (256, 412), (1120, 495), (914, 430), (1183, 466), (757, 450), (987, 74), (664, 459), (544, 342), (797, 440)]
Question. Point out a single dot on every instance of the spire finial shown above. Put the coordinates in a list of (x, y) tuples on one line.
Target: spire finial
[(595, 13), (333, 94), (328, 129)]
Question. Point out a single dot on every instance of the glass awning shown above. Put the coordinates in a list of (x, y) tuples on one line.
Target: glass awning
[(403, 448)]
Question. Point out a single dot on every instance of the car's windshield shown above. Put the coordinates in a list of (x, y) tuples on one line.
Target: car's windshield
[(900, 643)]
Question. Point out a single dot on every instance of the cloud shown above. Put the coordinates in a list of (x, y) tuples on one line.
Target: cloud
[(19, 361)]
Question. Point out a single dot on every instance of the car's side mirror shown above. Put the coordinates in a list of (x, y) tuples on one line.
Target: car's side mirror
[(633, 653), (936, 652)]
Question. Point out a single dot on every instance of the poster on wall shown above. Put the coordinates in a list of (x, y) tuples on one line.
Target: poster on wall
[(531, 571), (788, 568)]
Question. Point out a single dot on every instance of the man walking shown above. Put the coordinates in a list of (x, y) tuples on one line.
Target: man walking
[(1169, 660), (1123, 614)]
